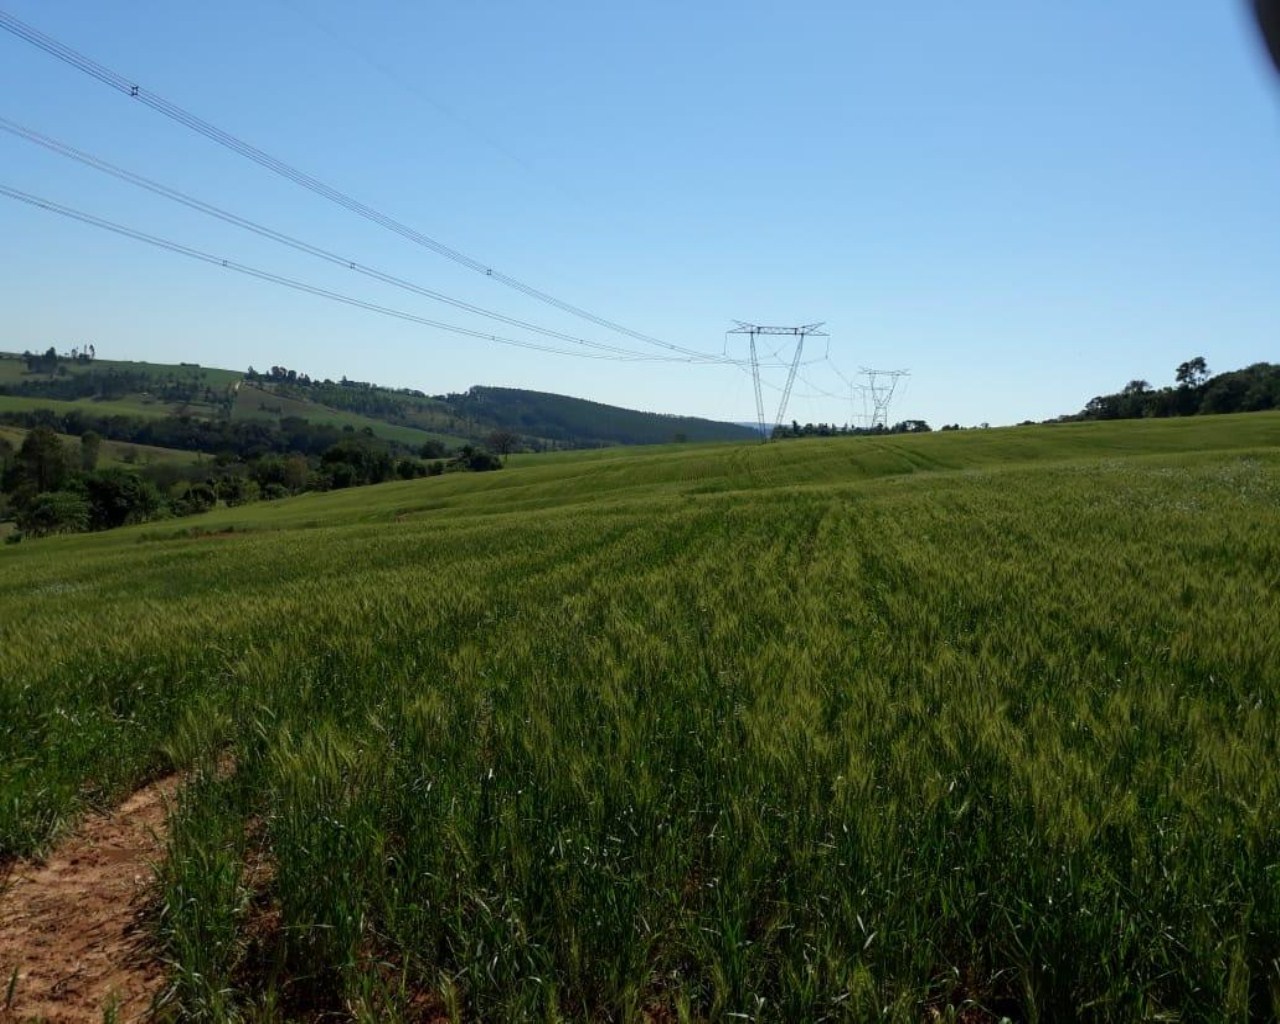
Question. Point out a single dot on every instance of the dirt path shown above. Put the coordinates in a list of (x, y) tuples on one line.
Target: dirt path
[(70, 925)]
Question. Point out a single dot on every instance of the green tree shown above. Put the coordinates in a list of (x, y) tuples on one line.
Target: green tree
[(367, 457), (42, 462), (236, 489), (342, 475), (46, 363), (1192, 373), (475, 459), (504, 442), (120, 498), (90, 446), (409, 469), (194, 498), (54, 512)]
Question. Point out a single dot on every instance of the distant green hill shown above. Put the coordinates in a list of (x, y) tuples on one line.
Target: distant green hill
[(93, 388), (580, 422)]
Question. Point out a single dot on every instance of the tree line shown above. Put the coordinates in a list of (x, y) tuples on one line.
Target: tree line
[(347, 395), (1195, 392), (49, 361), (245, 439), (49, 486), (114, 383), (795, 429)]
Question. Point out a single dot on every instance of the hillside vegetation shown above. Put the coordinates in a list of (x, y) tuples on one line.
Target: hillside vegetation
[(85, 386), (579, 422), (116, 454), (1256, 388), (931, 727), (270, 436), (254, 402)]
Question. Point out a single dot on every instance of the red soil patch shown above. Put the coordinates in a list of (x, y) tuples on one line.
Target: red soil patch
[(70, 926)]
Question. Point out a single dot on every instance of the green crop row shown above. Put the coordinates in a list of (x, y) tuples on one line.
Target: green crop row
[(832, 730)]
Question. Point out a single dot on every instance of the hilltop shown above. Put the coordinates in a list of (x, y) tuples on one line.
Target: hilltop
[(90, 390)]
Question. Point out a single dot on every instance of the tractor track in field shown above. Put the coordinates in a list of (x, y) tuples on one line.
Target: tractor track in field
[(73, 942)]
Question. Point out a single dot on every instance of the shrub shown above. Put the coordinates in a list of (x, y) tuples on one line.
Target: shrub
[(55, 512)]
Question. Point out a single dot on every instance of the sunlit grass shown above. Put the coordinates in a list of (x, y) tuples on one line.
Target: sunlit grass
[(830, 730)]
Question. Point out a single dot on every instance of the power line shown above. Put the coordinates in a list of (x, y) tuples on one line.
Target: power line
[(301, 286), (163, 106), (172, 111), (191, 202)]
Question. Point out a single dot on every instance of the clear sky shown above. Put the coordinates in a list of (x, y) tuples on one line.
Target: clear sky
[(1026, 203)]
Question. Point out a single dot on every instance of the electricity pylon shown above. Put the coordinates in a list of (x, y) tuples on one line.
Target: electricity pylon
[(878, 392), (757, 330)]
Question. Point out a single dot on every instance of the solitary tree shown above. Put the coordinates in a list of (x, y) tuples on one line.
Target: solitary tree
[(504, 442), (90, 446), (1192, 373)]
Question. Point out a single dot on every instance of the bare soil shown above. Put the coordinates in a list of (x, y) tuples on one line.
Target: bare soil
[(71, 926)]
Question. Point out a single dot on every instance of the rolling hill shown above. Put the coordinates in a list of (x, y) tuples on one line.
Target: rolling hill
[(540, 421), (962, 726)]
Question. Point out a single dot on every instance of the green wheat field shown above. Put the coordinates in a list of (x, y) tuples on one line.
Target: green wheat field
[(942, 728)]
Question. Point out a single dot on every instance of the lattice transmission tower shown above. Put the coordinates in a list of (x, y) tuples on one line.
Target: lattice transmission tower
[(754, 331), (877, 393)]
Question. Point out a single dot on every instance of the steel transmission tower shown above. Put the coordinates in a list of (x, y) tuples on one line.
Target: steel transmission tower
[(754, 331), (878, 393)]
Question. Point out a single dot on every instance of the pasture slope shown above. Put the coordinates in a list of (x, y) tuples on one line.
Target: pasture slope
[(950, 727), (254, 403)]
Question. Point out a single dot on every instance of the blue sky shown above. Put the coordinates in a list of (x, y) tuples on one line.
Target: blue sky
[(1026, 203)]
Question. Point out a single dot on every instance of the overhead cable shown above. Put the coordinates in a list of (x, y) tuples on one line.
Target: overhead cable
[(191, 202), (176, 113), (302, 286)]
